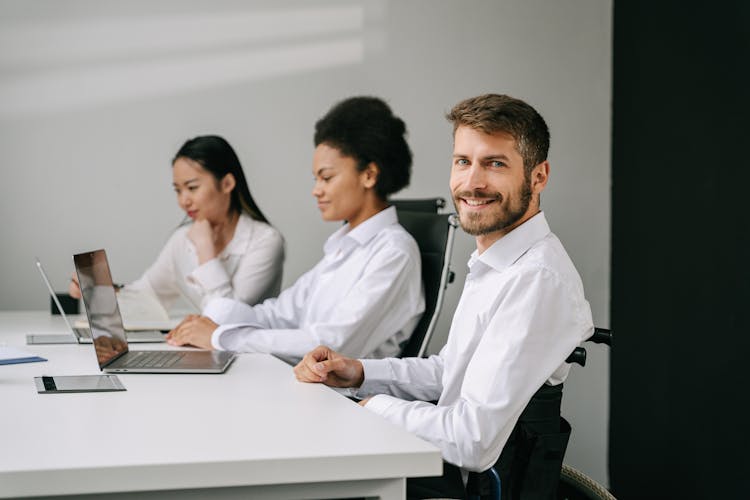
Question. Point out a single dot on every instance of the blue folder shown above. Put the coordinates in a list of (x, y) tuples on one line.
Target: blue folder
[(12, 356)]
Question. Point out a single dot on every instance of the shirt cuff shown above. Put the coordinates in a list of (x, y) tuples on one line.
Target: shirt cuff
[(381, 403), (233, 337), (377, 375), (218, 309), (209, 275), (216, 337)]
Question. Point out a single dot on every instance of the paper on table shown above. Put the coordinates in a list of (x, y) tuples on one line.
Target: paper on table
[(12, 355)]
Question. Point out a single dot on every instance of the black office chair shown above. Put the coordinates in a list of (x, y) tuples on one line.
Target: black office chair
[(513, 475), (431, 205), (434, 234)]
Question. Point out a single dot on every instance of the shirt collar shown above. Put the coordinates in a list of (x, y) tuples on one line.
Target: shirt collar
[(363, 233), (508, 249), (241, 239)]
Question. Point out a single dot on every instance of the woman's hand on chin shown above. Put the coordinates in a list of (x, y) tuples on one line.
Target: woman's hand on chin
[(202, 235)]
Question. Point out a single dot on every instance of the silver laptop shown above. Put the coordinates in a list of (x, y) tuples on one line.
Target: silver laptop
[(81, 335), (107, 330)]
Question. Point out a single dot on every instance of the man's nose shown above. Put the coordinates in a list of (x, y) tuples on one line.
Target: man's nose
[(476, 177)]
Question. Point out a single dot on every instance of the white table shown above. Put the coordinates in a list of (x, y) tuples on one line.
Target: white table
[(253, 432)]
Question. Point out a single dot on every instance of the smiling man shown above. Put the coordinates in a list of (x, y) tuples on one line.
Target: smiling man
[(521, 313)]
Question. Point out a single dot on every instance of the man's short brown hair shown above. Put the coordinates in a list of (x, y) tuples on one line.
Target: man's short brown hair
[(492, 113)]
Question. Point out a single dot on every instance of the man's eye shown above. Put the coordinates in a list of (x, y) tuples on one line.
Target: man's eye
[(192, 188), (462, 162), (497, 163), (326, 179)]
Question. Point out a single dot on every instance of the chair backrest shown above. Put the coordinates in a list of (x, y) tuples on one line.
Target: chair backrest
[(432, 205), (434, 234)]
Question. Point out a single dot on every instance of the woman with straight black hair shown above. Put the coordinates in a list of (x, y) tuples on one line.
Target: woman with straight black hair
[(225, 247)]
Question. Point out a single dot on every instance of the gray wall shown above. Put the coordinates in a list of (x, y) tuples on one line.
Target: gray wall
[(96, 96)]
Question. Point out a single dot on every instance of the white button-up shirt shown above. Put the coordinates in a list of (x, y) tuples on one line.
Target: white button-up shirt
[(248, 269), (364, 299), (521, 313)]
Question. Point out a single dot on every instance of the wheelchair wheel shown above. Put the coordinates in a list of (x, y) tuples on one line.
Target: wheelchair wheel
[(575, 485)]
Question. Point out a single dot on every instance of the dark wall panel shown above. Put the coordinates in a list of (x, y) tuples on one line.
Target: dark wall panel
[(680, 280)]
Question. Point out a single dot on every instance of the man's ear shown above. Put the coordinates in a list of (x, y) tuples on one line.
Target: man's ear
[(539, 177), (228, 182), (370, 175)]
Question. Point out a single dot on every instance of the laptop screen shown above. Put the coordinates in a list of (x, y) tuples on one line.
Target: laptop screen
[(100, 301)]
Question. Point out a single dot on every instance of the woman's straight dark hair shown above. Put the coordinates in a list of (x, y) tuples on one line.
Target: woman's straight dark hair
[(214, 154)]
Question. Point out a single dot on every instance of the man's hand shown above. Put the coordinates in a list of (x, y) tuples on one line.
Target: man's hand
[(329, 367), (193, 330)]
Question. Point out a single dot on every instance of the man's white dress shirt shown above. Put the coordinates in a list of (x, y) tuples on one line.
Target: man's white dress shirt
[(521, 313), (248, 269), (364, 299)]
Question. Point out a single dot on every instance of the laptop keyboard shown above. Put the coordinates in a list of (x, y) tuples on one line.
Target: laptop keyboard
[(153, 359)]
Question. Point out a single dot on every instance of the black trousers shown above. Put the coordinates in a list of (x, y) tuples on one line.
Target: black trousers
[(449, 485), (529, 465)]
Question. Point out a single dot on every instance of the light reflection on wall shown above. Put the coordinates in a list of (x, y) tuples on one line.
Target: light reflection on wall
[(73, 65)]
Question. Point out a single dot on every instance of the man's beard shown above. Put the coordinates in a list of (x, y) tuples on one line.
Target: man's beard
[(505, 213)]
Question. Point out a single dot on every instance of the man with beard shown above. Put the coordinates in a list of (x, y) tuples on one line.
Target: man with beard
[(521, 313)]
